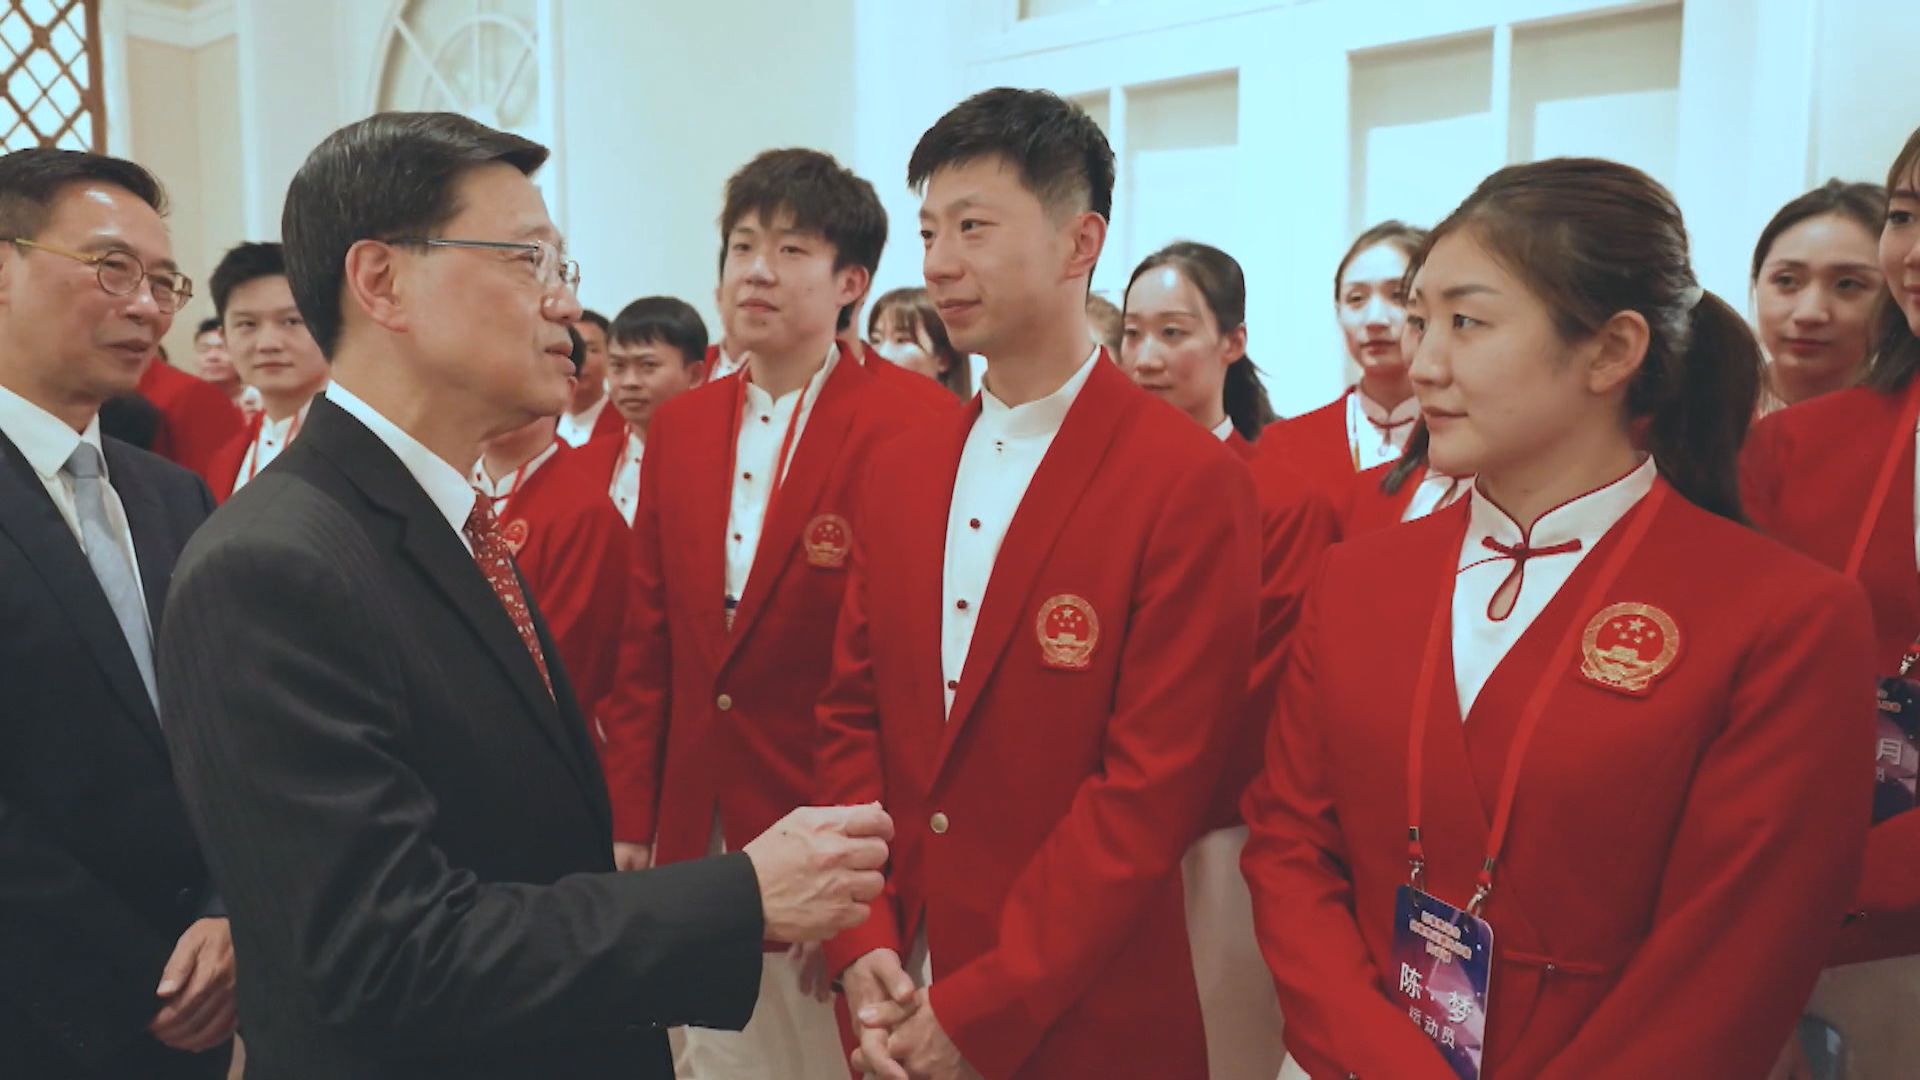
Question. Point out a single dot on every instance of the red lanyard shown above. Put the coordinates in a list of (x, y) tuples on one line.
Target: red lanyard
[(253, 455), (1903, 435), (1440, 637), (503, 504), (786, 443)]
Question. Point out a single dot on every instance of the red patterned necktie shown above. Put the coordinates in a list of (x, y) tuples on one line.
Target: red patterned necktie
[(490, 550)]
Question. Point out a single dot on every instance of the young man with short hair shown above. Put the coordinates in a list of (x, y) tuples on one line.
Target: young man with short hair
[(271, 351), (748, 510), (654, 354), (1043, 652)]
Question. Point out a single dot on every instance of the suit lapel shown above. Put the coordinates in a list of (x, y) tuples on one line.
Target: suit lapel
[(1890, 554), (695, 520), (428, 543), (1063, 477), (29, 516), (814, 459)]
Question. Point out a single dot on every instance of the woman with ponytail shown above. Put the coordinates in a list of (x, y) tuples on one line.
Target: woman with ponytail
[(1566, 781), (1834, 477), (1184, 339)]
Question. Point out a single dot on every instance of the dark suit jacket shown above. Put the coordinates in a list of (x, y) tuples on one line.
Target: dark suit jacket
[(99, 871), (411, 836)]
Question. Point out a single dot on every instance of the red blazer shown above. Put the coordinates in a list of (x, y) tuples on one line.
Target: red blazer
[(1805, 478), (1297, 525), (198, 418), (593, 462), (725, 720), (1040, 825), (609, 422), (1677, 862), (577, 560), (223, 468), (1315, 445), (1367, 508)]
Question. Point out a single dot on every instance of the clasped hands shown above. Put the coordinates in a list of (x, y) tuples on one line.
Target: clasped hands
[(900, 1037)]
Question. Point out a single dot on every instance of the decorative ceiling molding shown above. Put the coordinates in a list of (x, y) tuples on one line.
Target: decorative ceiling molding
[(187, 28)]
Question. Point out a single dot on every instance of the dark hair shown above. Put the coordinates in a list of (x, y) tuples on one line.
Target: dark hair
[(1057, 150), (661, 320), (588, 315), (1863, 204), (30, 181), (1593, 239), (914, 309), (1218, 278), (1409, 240), (243, 263), (211, 322), (131, 418), (576, 348), (1896, 352), (391, 175), (822, 196)]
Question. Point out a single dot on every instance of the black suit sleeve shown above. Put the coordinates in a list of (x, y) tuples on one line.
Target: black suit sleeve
[(78, 961), (287, 718)]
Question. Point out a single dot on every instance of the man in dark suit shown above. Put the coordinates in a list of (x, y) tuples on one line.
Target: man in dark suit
[(111, 961), (377, 739)]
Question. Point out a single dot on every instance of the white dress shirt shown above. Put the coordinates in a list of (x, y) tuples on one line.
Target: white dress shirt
[(1481, 641), (274, 437), (575, 429), (763, 428), (625, 489), (501, 491), (1376, 434), (47, 442), (724, 364), (445, 486), (1003, 450)]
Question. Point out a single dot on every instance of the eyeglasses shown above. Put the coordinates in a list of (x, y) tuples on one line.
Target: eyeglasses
[(121, 272), (552, 268)]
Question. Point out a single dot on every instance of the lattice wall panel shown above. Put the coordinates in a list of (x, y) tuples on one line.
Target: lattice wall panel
[(50, 75)]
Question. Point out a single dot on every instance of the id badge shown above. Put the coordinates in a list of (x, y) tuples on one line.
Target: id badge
[(1443, 960), (1896, 751)]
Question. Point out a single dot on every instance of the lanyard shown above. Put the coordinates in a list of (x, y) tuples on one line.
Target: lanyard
[(253, 453), (503, 504), (1440, 637), (1903, 434)]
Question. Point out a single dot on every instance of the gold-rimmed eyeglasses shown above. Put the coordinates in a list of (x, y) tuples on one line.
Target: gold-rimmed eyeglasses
[(550, 264), (121, 272)]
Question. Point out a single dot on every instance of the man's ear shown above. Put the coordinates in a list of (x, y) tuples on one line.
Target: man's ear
[(374, 284)]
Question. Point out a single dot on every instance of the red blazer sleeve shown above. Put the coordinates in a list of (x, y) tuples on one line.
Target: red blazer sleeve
[(1339, 1020), (847, 757), (1763, 864), (1297, 527), (635, 714), (1760, 472), (1181, 681)]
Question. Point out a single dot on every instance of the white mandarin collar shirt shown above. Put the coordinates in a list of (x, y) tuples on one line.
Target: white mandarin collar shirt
[(1003, 450), (1480, 639)]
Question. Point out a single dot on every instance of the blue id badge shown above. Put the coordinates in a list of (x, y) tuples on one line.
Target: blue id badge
[(1443, 961), (1896, 747)]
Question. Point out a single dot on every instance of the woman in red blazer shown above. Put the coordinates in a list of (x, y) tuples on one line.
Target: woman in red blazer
[(1834, 477), (1568, 780), (1369, 424), (1184, 339)]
